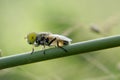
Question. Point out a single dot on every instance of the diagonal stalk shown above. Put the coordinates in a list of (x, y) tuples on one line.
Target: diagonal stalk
[(73, 49)]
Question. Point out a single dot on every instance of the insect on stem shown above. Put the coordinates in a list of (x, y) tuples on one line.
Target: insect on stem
[(47, 39)]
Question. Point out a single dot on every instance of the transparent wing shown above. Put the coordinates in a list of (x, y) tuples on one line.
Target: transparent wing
[(62, 37)]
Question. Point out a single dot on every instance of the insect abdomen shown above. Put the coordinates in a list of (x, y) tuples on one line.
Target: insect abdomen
[(65, 43)]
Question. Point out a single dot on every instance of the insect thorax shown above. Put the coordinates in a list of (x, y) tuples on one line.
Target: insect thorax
[(42, 39)]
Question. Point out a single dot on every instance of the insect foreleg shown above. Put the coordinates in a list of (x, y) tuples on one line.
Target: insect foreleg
[(32, 50)]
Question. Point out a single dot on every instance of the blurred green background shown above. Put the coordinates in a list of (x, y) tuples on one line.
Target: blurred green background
[(73, 18)]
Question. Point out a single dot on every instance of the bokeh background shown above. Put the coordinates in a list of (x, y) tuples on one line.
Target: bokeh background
[(80, 20)]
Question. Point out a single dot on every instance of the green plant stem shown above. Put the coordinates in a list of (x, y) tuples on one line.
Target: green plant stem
[(52, 53)]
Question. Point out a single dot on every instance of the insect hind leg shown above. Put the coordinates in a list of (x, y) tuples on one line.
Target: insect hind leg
[(61, 47)]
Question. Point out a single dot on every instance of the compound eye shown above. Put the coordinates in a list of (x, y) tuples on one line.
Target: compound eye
[(32, 37)]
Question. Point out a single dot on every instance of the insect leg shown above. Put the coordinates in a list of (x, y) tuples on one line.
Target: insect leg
[(51, 41), (61, 47), (43, 48), (32, 50)]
